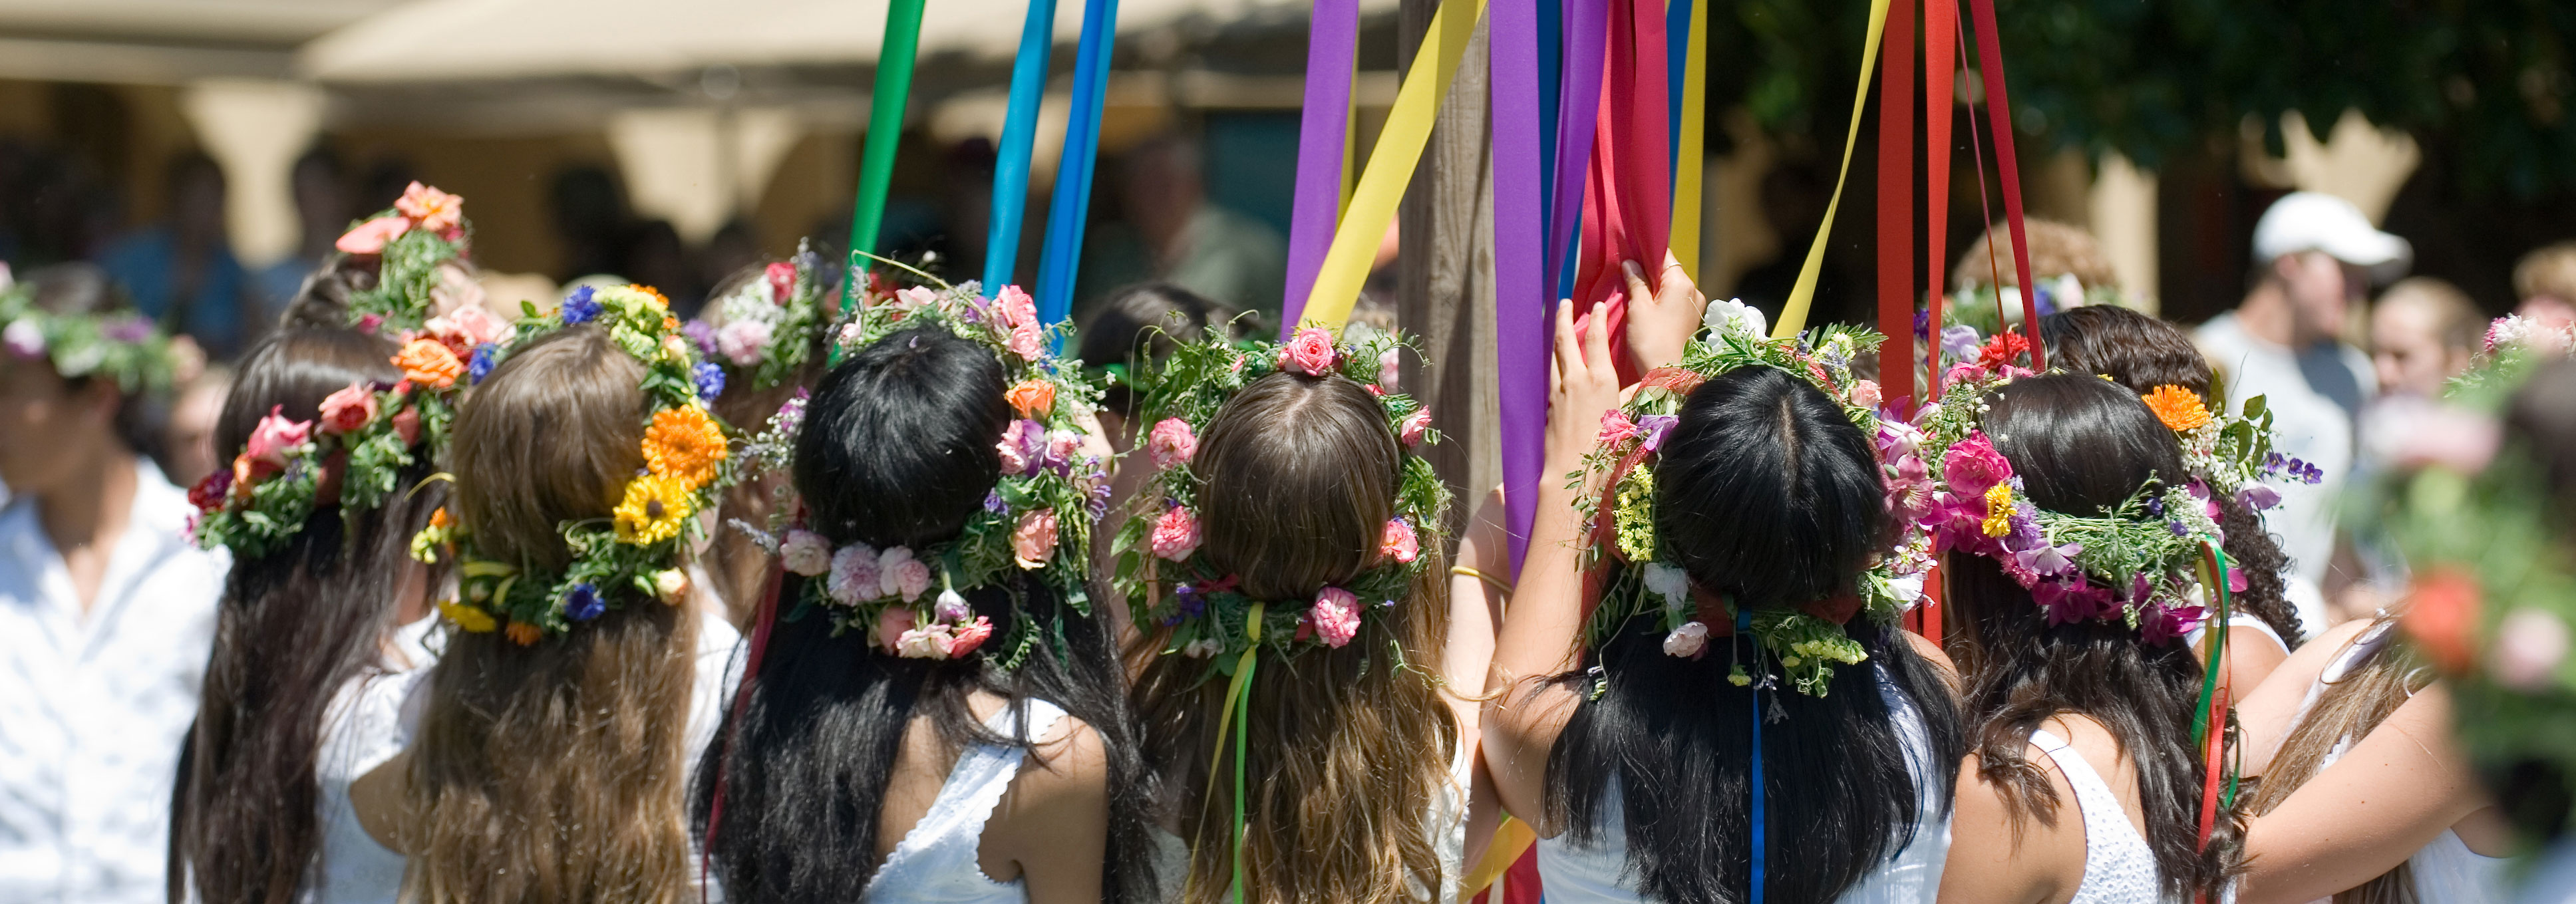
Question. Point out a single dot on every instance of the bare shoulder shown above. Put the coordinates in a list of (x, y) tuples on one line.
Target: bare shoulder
[(1997, 854)]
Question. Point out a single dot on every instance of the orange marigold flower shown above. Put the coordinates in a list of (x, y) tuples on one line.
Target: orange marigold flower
[(430, 363), (684, 444), (439, 517), (525, 634), (2180, 409), (1033, 398), (670, 323)]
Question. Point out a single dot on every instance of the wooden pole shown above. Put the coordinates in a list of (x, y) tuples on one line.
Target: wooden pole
[(1445, 273)]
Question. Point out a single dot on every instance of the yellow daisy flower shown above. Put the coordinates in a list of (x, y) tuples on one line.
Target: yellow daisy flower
[(654, 508)]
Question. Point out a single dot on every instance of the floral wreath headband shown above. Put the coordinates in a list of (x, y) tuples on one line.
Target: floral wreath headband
[(425, 229), (1036, 521), (1207, 616), (1804, 641), (687, 460), (768, 323), (122, 345)]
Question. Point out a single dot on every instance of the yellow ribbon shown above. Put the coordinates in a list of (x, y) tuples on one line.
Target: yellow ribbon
[(1390, 166), (1692, 145), (1793, 313), (1510, 839), (1234, 689)]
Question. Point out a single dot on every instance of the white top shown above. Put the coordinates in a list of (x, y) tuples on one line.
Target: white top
[(2445, 870), (938, 860), (94, 705), (1599, 874), (1448, 828), (2119, 868), (2315, 395)]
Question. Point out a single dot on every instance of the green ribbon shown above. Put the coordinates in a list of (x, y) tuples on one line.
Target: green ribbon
[(2216, 564), (885, 127), (1237, 714)]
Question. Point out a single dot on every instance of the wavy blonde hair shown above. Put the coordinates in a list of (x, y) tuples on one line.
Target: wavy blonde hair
[(553, 772), (1348, 747)]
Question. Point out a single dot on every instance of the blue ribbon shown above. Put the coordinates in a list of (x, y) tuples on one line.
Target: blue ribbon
[(1019, 138), (1063, 254), (1744, 631), (1677, 38)]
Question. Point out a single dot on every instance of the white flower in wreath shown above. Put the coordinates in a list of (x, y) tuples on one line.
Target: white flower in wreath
[(1669, 582), (1734, 316)]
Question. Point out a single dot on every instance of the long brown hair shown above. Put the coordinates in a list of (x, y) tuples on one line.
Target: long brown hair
[(1348, 747), (296, 625), (2351, 707), (554, 771)]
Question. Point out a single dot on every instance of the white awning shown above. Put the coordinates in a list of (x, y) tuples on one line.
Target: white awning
[(452, 40)]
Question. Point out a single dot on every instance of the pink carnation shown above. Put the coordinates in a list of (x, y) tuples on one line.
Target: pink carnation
[(899, 574), (1033, 541), (467, 327), (1865, 393), (1616, 428), (964, 638), (1015, 307), (893, 622), (744, 342), (348, 409), (1310, 352), (1336, 616), (926, 642), (1398, 541), (1026, 341), (1172, 443), (1176, 535), (275, 437), (1388, 370), (1415, 425), (1973, 466), (854, 575), (370, 237), (806, 552)]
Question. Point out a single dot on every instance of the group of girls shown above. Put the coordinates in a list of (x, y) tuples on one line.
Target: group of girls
[(1015, 630)]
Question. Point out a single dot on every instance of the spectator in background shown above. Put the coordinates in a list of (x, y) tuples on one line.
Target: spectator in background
[(181, 272), (590, 220), (2423, 332), (187, 451), (1178, 236), (2545, 282), (2315, 255), (323, 210)]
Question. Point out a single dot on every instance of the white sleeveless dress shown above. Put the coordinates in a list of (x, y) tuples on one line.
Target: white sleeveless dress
[(1599, 874), (937, 860), (2119, 868)]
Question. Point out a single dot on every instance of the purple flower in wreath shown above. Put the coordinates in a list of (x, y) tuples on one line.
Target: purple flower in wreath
[(2162, 624), (710, 378), (2072, 601), (1655, 427), (128, 329), (993, 502), (700, 335), (480, 365), (582, 602), (2257, 497), (580, 307)]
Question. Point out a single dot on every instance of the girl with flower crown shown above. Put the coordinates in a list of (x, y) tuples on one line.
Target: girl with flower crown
[(1720, 569), (762, 341), (576, 683), (262, 812), (1298, 664), (932, 711), (2075, 536)]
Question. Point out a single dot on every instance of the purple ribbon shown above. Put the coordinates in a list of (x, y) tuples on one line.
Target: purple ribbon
[(1521, 277), (1323, 129)]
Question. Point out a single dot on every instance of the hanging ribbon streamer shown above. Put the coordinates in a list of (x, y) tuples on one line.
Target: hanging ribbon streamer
[(1019, 140), (1761, 826), (1521, 278), (1391, 164), (1587, 37), (1323, 149), (1627, 194), (1940, 41), (2209, 720), (885, 128), (1072, 201), (1236, 714), (1990, 69), (1793, 312), (1687, 30), (1896, 208)]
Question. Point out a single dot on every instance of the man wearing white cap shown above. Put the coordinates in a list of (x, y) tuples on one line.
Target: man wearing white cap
[(2315, 256)]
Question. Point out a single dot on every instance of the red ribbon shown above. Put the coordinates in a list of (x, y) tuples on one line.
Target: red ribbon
[(1627, 197)]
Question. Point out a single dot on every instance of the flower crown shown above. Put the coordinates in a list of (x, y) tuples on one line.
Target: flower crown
[(424, 229), (1206, 614), (1036, 521), (1804, 641), (686, 461), (769, 323), (2494, 583), (121, 345)]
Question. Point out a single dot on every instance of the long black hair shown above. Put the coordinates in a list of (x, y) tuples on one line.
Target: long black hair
[(295, 626), (2082, 446), (2142, 353), (897, 449), (1771, 498)]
